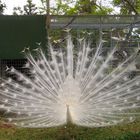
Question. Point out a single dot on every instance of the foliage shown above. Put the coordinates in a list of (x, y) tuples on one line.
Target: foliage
[(28, 9), (2, 7), (79, 7), (127, 7), (17, 11), (64, 7)]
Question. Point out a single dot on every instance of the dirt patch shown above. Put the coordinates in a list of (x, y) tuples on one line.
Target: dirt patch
[(6, 125)]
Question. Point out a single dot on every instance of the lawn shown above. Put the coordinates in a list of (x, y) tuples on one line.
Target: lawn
[(121, 132)]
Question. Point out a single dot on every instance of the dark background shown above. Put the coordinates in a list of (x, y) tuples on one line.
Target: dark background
[(18, 32)]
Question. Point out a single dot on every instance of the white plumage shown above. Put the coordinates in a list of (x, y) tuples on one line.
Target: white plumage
[(97, 93)]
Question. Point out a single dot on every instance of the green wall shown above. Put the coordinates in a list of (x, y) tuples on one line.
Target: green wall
[(18, 32)]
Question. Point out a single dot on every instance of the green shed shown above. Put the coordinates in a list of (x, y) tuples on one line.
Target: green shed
[(18, 32)]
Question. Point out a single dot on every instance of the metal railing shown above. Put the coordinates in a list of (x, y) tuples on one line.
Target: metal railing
[(91, 21)]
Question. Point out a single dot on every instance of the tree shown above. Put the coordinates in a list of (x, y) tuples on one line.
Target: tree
[(28, 9), (17, 11), (2, 7), (92, 7), (127, 7), (77, 7)]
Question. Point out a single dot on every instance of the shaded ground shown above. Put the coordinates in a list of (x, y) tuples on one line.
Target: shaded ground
[(122, 132)]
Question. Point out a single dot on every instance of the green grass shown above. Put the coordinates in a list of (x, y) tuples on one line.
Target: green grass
[(121, 132)]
